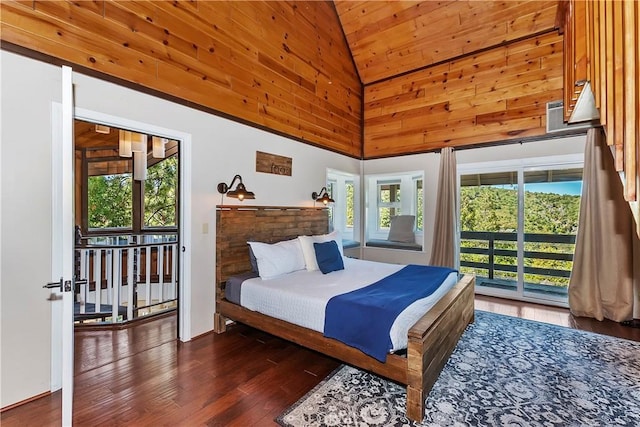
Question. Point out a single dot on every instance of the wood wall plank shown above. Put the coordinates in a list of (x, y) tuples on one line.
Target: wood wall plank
[(262, 62), (632, 88), (611, 48), (391, 38), (496, 95)]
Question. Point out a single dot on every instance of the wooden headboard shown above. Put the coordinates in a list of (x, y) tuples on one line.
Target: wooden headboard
[(235, 225)]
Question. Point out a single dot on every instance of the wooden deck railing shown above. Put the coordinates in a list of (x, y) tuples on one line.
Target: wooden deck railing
[(128, 276), (499, 254)]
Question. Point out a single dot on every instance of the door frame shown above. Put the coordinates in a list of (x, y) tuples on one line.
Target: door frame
[(184, 303), (518, 166)]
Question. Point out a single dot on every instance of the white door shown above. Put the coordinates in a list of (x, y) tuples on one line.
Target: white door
[(63, 248)]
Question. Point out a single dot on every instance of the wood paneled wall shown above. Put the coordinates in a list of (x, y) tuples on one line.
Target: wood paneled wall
[(283, 66), (495, 95), (605, 49)]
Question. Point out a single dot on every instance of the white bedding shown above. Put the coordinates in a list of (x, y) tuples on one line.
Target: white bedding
[(300, 297)]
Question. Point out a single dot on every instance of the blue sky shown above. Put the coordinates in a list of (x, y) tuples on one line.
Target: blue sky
[(573, 188)]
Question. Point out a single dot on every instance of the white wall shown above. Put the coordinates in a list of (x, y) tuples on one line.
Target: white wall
[(552, 147), (220, 149), (430, 164), (27, 92)]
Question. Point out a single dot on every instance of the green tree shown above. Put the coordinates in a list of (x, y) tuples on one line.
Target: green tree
[(494, 209), (350, 199), (110, 201), (160, 202), (110, 197)]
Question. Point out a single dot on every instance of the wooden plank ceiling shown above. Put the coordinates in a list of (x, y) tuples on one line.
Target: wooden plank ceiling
[(282, 66), (452, 73), (389, 38), (363, 78)]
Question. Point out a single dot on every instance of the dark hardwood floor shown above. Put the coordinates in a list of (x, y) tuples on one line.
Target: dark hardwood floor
[(142, 376)]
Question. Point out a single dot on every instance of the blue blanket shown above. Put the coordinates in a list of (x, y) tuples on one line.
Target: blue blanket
[(363, 318)]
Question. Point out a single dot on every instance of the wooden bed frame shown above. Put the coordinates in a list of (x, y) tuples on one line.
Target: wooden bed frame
[(430, 341)]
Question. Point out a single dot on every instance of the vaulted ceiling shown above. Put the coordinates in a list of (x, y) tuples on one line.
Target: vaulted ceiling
[(390, 38), (363, 78)]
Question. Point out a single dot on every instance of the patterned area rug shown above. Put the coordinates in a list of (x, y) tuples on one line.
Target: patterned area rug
[(504, 371)]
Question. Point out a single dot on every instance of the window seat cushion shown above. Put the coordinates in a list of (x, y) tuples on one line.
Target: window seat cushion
[(346, 243), (387, 244)]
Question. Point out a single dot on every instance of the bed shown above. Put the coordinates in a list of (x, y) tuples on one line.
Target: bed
[(429, 340)]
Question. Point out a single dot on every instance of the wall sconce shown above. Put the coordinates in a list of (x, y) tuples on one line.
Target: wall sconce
[(322, 196), (239, 193)]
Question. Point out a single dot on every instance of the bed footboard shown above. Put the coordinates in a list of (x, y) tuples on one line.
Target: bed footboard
[(432, 340)]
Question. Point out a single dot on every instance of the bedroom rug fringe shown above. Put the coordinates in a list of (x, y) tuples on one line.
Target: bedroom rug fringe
[(505, 371)]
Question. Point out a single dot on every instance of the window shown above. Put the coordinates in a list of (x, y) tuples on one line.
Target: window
[(344, 213), (115, 200), (109, 190), (160, 190), (518, 227), (350, 194), (391, 195), (331, 190), (419, 203), (388, 203)]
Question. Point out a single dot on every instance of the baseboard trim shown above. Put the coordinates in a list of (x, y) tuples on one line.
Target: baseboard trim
[(22, 402)]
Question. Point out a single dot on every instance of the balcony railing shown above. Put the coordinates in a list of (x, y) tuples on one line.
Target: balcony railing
[(493, 257), (128, 276)]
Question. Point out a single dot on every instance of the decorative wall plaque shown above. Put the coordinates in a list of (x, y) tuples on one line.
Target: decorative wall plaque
[(272, 163)]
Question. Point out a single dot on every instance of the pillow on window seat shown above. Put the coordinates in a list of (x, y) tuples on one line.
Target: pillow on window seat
[(401, 229)]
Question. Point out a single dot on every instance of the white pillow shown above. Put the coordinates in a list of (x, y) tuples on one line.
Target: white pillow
[(306, 242), (278, 258)]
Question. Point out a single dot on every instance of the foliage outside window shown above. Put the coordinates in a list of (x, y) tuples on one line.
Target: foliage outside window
[(160, 188), (550, 210), (491, 219), (331, 190), (111, 196), (110, 201), (349, 187), (388, 203), (419, 203), (489, 208), (343, 188)]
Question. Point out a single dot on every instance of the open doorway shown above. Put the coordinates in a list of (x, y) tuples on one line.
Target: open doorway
[(127, 204)]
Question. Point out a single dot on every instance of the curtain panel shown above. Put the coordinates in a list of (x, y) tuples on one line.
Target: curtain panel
[(444, 234), (602, 278)]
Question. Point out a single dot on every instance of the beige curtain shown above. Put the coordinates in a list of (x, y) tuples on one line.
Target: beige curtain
[(601, 283), (444, 233)]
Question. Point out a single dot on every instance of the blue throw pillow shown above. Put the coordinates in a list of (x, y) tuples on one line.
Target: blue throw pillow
[(328, 256)]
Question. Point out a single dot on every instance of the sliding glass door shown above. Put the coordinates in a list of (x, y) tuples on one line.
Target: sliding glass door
[(518, 227), (551, 208)]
